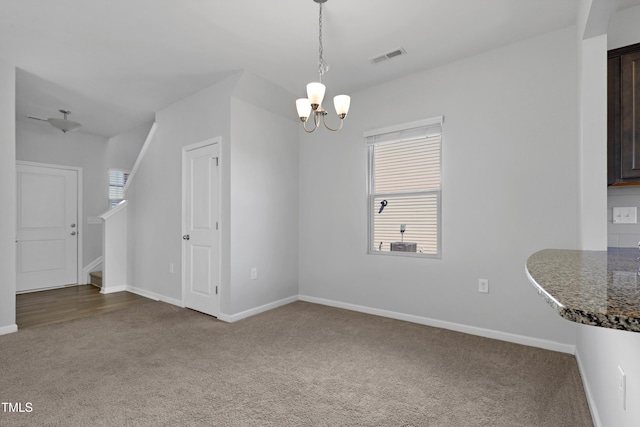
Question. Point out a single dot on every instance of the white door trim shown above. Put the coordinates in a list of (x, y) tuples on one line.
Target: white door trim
[(80, 204), (185, 150)]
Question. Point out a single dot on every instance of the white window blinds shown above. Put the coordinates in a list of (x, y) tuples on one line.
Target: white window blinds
[(405, 188), (408, 166), (117, 181)]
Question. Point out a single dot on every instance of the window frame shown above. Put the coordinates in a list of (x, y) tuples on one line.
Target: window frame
[(109, 199), (433, 124)]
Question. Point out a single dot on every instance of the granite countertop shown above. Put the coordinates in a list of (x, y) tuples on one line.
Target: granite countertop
[(598, 288)]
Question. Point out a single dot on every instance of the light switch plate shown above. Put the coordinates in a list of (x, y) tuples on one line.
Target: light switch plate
[(627, 215)]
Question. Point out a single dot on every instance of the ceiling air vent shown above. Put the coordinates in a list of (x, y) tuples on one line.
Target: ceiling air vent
[(389, 55)]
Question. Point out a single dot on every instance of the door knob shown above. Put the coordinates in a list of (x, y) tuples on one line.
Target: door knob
[(186, 237), (73, 233), (73, 225)]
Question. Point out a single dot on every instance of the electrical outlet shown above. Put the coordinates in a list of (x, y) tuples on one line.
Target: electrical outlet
[(483, 286), (254, 273), (622, 388)]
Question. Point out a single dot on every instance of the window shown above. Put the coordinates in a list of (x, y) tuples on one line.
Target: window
[(404, 189), (117, 181)]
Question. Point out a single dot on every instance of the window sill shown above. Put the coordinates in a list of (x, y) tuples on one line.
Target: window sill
[(405, 254)]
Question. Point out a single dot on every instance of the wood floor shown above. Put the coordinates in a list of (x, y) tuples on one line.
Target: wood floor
[(73, 302)]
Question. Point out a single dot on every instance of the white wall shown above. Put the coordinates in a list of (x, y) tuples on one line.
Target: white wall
[(600, 352), (40, 142), (258, 197), (8, 192), (264, 206), (123, 149), (510, 173), (114, 266), (593, 145)]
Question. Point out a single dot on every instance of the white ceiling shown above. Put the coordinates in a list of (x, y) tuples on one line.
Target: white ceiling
[(113, 63)]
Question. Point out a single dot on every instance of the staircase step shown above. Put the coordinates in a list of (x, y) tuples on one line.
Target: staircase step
[(96, 278)]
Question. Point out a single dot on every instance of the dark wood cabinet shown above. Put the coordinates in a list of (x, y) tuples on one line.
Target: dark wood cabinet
[(623, 111)]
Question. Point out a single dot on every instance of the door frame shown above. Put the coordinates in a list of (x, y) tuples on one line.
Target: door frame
[(185, 150), (78, 170)]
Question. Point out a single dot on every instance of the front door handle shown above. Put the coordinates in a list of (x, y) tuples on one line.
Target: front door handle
[(73, 233), (186, 237)]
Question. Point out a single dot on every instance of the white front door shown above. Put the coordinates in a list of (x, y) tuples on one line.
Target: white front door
[(47, 227), (201, 248)]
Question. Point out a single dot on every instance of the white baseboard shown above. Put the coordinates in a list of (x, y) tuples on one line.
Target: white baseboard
[(154, 296), (595, 416), (8, 329), (257, 310), (472, 330), (224, 317), (113, 289), (89, 268), (30, 291), (143, 293)]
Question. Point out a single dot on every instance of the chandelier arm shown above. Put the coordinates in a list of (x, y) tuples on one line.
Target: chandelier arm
[(304, 126), (330, 128)]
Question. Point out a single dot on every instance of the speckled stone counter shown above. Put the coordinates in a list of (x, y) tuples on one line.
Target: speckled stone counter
[(599, 288)]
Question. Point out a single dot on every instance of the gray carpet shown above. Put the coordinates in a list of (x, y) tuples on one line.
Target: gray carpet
[(298, 365)]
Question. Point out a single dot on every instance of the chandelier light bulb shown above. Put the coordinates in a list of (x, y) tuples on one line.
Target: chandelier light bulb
[(341, 102), (315, 92), (304, 108)]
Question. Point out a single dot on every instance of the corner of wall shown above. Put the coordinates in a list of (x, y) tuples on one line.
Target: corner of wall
[(266, 95), (593, 148), (8, 191), (157, 187)]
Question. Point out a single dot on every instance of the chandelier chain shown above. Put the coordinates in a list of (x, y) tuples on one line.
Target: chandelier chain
[(323, 67)]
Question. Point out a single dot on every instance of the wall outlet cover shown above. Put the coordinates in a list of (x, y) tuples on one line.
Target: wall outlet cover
[(483, 286)]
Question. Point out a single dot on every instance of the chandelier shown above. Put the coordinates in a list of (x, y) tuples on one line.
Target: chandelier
[(312, 105)]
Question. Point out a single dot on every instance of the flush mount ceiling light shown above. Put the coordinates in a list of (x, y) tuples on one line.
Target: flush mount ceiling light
[(63, 124), (312, 105)]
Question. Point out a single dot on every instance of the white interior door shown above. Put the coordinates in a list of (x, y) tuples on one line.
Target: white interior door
[(201, 249), (47, 227)]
